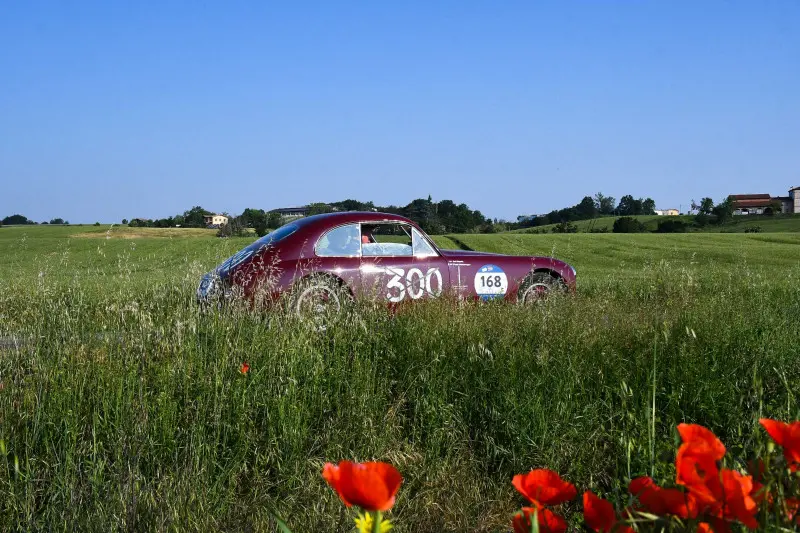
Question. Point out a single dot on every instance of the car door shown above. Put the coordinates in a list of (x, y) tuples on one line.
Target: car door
[(395, 270)]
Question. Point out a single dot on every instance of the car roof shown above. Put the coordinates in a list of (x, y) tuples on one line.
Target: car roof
[(346, 217)]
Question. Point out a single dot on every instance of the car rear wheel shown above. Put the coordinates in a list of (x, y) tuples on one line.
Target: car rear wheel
[(538, 287), (319, 301)]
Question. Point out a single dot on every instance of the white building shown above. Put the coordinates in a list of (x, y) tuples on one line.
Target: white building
[(215, 220), (668, 212)]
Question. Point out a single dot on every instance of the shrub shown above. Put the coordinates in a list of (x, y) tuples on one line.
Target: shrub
[(702, 219), (753, 229), (565, 227), (672, 226), (234, 228), (628, 225)]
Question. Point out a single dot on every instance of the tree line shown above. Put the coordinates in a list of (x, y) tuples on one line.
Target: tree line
[(592, 207), (19, 220), (440, 217)]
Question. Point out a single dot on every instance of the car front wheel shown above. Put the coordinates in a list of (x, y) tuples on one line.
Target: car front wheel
[(319, 301), (538, 287)]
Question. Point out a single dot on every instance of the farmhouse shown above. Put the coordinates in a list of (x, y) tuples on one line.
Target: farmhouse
[(765, 204), (215, 220), (668, 212)]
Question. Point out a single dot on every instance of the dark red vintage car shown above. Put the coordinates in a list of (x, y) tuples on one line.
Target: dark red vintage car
[(320, 262)]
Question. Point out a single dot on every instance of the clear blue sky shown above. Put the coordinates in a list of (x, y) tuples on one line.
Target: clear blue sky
[(125, 109)]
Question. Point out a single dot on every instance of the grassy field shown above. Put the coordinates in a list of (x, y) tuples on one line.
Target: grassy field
[(768, 224), (124, 410)]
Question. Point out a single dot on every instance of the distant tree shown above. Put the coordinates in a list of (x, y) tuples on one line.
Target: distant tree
[(628, 225), (249, 217), (274, 220), (627, 206), (586, 209), (353, 205), (604, 204), (423, 212), (648, 207), (723, 210), (318, 208), (234, 228), (57, 221), (195, 217), (66, 222), (487, 227), (124, 221), (706, 206), (16, 219), (96, 223), (260, 225)]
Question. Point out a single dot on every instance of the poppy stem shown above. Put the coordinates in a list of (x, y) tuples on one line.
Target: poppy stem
[(377, 517)]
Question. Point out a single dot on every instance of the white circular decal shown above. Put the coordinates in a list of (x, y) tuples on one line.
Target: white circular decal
[(490, 282)]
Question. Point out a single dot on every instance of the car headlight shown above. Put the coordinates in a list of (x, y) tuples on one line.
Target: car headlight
[(207, 287)]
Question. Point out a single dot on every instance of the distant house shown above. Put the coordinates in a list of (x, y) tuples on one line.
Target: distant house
[(291, 212), (215, 220), (668, 212), (765, 204), (527, 218)]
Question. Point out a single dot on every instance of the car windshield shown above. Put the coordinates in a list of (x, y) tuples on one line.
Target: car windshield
[(267, 240), (274, 236)]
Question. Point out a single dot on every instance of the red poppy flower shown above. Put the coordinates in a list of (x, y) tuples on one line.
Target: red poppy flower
[(549, 522), (371, 486), (715, 525), (702, 440), (544, 487), (793, 509), (662, 502), (787, 436), (699, 473), (737, 502), (244, 368), (599, 515)]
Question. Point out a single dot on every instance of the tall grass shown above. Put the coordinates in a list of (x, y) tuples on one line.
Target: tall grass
[(124, 410)]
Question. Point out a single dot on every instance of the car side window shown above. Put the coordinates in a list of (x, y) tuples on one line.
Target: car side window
[(385, 240), (343, 241), (421, 246)]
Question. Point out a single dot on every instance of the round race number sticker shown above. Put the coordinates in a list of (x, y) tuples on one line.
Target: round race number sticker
[(490, 282)]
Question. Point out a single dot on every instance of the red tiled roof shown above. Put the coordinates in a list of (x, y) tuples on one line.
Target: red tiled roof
[(750, 196), (766, 202)]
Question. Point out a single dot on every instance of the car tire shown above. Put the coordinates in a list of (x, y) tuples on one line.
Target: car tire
[(319, 301), (539, 286)]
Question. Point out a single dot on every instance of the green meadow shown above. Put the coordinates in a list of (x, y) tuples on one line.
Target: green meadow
[(122, 408), (739, 224)]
